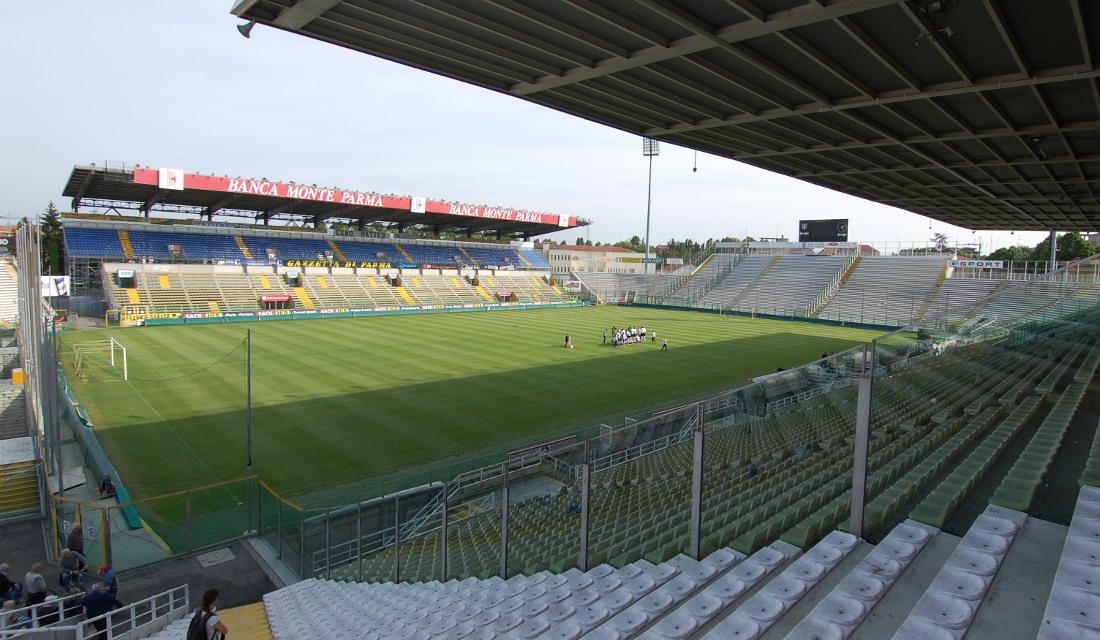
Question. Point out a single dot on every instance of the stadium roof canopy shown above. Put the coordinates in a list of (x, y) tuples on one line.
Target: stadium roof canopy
[(175, 191), (980, 113)]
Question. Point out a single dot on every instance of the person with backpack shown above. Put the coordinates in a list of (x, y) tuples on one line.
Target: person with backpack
[(206, 625)]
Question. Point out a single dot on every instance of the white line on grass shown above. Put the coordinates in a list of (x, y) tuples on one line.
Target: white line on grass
[(174, 432)]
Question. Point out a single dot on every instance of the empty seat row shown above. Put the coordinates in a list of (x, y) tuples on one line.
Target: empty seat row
[(237, 244)]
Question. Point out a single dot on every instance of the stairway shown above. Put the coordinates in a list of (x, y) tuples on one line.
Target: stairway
[(124, 240), (524, 260), (745, 292), (931, 294), (337, 252), (405, 254), (245, 251), (18, 488), (303, 298), (247, 622)]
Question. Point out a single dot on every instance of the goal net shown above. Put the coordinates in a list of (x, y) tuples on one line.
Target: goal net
[(100, 360)]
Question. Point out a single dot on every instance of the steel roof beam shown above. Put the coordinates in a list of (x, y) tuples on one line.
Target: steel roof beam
[(982, 163), (153, 200), (402, 41), (806, 14), (908, 141), (992, 7), (450, 10), (295, 16), (699, 27), (220, 204), (921, 20), (877, 52), (940, 90), (889, 134), (452, 36), (83, 188)]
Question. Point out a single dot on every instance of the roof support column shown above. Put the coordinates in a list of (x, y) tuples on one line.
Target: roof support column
[(1053, 251), (360, 224)]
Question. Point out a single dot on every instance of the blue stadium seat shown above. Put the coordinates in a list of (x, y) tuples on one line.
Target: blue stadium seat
[(151, 243)]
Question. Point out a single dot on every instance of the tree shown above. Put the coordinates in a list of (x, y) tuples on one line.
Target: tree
[(730, 239), (939, 240), (1011, 254), (52, 242), (1071, 246), (580, 241)]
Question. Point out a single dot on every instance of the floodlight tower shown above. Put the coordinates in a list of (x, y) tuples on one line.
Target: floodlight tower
[(650, 148)]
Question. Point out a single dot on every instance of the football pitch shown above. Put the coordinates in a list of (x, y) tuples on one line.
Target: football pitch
[(336, 401)]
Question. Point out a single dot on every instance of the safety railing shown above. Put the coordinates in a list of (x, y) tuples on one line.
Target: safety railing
[(64, 618)]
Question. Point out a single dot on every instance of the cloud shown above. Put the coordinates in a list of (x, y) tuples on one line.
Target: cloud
[(175, 85)]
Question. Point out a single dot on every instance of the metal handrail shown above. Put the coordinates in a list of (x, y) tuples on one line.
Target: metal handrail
[(130, 617)]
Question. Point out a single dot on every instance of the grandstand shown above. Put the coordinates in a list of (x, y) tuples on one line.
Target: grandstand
[(215, 270)]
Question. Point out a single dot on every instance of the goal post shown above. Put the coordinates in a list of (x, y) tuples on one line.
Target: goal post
[(101, 354)]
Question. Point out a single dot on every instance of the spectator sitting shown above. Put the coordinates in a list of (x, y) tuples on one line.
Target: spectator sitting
[(97, 603), (9, 589), (10, 620), (35, 585)]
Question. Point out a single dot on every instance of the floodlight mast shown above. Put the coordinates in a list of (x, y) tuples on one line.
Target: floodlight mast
[(650, 148)]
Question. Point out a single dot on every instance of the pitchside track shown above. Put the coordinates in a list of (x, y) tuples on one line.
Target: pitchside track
[(335, 401)]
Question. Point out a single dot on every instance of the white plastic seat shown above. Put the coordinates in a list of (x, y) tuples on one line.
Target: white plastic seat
[(675, 626), (617, 600), (628, 622), (506, 622), (679, 587), (960, 583), (943, 611), (532, 628), (735, 627), (559, 611), (727, 588), (567, 631), (842, 609), (656, 603), (582, 597), (862, 587), (722, 559), (786, 587), (588, 617)]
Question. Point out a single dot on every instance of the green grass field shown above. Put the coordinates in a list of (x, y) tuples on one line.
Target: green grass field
[(335, 401)]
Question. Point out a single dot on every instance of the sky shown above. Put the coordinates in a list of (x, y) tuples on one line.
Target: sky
[(173, 84)]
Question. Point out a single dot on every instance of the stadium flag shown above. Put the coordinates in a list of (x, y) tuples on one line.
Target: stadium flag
[(418, 205), (53, 286), (171, 179)]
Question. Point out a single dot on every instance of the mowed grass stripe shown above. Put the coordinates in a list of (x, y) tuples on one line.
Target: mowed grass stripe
[(343, 399)]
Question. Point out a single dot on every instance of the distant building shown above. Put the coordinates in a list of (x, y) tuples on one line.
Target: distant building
[(603, 259)]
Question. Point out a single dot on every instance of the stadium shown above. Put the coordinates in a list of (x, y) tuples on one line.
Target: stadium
[(403, 416)]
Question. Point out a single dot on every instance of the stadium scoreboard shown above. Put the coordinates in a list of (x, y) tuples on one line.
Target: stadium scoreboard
[(823, 230)]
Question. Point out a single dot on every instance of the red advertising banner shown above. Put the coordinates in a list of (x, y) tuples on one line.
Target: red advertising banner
[(338, 196)]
